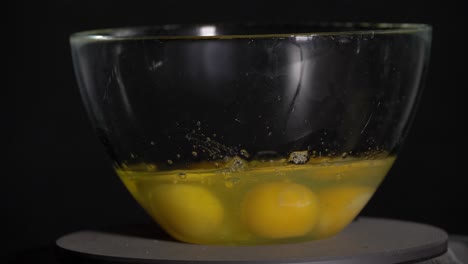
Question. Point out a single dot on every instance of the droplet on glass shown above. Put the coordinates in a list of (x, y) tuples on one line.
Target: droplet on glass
[(244, 153)]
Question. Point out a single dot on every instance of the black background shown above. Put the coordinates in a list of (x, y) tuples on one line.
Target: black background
[(59, 179)]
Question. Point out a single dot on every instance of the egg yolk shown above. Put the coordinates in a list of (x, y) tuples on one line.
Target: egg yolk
[(339, 206), (189, 213), (279, 210)]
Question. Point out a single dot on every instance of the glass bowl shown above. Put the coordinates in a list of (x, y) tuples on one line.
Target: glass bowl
[(252, 134)]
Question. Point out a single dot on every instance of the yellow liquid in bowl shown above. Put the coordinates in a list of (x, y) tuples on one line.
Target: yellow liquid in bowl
[(256, 202)]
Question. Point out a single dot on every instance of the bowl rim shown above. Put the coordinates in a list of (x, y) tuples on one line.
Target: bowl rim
[(365, 28)]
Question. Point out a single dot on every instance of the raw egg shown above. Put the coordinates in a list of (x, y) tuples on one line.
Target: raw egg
[(189, 213), (280, 210), (339, 206)]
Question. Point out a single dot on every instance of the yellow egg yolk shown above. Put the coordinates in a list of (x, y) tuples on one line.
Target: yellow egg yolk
[(189, 213), (339, 206), (280, 210)]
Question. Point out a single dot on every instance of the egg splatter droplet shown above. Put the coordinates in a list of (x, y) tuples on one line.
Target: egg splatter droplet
[(298, 157)]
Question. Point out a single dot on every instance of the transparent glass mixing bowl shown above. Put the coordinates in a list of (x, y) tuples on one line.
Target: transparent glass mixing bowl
[(250, 134)]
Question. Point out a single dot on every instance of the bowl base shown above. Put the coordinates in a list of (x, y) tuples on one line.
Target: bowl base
[(366, 240)]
